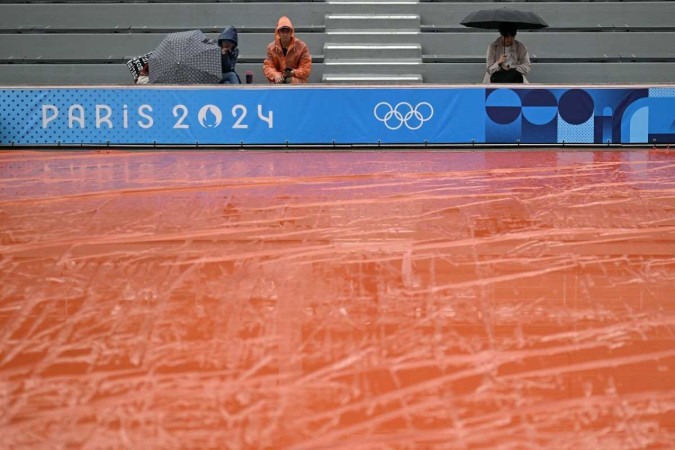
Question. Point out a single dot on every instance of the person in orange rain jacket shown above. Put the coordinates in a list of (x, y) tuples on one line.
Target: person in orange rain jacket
[(288, 59)]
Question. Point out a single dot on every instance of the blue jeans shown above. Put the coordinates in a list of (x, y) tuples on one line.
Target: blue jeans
[(230, 78)]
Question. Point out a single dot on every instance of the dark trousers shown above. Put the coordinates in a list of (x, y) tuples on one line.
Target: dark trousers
[(507, 76)]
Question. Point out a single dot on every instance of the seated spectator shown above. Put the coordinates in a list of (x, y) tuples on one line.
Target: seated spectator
[(228, 41), (288, 59), (144, 75), (507, 59), (138, 67)]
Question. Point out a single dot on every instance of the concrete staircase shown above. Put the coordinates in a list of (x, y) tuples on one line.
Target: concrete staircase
[(378, 47)]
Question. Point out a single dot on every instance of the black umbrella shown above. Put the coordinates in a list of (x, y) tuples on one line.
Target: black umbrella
[(185, 57), (493, 18)]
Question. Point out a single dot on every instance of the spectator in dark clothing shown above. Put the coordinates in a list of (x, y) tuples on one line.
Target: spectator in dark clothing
[(228, 41)]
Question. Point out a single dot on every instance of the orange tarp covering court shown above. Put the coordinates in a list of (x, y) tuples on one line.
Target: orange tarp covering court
[(371, 300)]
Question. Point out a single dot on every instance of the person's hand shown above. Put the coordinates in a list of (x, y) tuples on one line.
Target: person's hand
[(279, 79), (502, 59)]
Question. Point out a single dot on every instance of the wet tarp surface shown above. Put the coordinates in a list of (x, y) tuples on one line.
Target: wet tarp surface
[(367, 300)]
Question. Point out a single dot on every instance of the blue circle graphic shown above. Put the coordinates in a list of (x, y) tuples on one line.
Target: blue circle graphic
[(503, 106), (539, 107), (575, 106)]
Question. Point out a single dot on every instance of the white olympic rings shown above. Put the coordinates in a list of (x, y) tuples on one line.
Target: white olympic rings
[(403, 114)]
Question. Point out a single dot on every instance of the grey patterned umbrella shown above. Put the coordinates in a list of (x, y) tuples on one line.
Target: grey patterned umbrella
[(187, 57)]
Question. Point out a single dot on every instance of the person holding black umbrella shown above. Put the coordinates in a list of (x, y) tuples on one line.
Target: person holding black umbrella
[(507, 59)]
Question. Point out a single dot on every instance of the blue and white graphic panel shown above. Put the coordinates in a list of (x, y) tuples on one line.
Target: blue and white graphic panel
[(327, 115)]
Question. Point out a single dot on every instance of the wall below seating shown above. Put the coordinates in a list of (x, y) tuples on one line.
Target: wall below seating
[(328, 115)]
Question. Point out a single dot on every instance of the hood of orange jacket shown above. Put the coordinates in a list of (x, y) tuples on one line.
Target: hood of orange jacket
[(284, 22)]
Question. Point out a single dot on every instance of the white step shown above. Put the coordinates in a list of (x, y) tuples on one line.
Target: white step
[(410, 22), (374, 62), (375, 50), (372, 2), (372, 34), (364, 78)]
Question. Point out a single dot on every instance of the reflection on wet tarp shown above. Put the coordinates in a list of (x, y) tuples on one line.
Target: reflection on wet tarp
[(337, 300)]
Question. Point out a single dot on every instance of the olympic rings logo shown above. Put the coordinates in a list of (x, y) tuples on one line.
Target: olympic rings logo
[(394, 117)]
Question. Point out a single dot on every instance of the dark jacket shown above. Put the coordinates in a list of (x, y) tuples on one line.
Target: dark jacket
[(229, 60)]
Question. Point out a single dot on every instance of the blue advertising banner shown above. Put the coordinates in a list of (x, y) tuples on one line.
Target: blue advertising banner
[(325, 115)]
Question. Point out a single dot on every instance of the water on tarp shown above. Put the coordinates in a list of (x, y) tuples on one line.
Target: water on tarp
[(370, 300)]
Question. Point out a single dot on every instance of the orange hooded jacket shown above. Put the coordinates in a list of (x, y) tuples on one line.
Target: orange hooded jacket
[(297, 56)]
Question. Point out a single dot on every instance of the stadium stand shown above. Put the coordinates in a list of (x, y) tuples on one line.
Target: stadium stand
[(57, 42)]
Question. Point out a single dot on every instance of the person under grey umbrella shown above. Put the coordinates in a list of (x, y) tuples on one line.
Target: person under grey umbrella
[(507, 59), (186, 57)]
